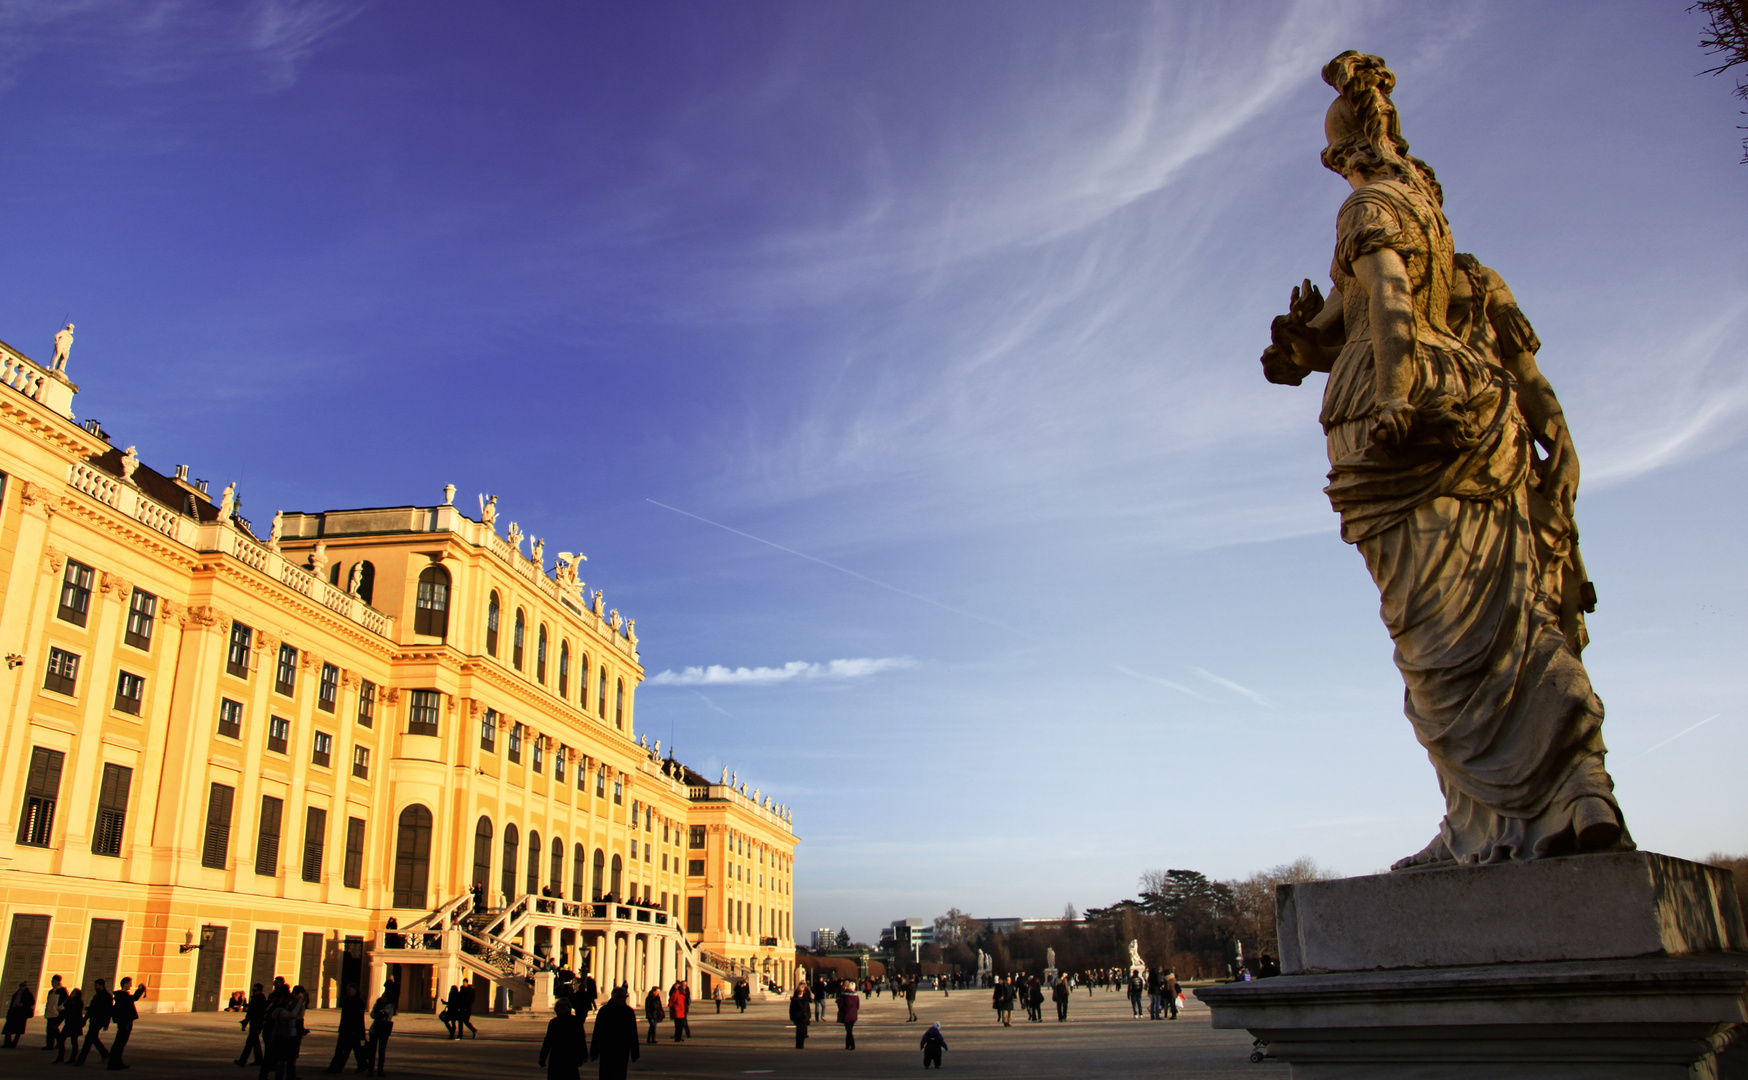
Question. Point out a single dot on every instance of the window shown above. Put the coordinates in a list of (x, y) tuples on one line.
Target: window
[(218, 827), (516, 642), (42, 789), (564, 669), (583, 683), (555, 868), (130, 691), (601, 695), (142, 613), (423, 718), (366, 581), (694, 914), (329, 691), (412, 857), (600, 871), (540, 656), (697, 838), (366, 702), (267, 840), (579, 870), (539, 753), (75, 592), (619, 706), (361, 762), (601, 784), (582, 774), (278, 734), (237, 659), (618, 792), (230, 718), (488, 731), (285, 675), (431, 608), (558, 764), (353, 875), (636, 812), (111, 810), (482, 852), (323, 752), (63, 673), (512, 844), (618, 877), (694, 867), (492, 608), (315, 840), (516, 743)]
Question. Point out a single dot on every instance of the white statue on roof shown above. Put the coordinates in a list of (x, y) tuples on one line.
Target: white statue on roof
[(63, 346), (488, 511), (514, 536), (228, 502), (537, 552), (355, 579), (278, 530), (130, 460)]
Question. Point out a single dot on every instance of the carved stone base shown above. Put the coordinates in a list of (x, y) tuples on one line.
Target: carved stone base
[(1609, 966)]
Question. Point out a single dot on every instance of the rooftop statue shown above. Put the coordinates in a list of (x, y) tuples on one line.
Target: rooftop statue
[(63, 346), (130, 462), (488, 511), (1433, 413), (278, 530), (228, 502)]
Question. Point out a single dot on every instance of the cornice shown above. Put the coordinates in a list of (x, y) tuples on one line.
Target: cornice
[(155, 542), (294, 603), (60, 434)]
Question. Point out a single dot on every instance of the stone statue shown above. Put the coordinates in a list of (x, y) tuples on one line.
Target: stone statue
[(567, 570), (488, 511), (614, 621), (63, 346), (514, 536), (448, 494), (658, 748), (724, 777), (1432, 414), (1135, 964), (1050, 959), (354, 579), (130, 460), (537, 552), (631, 631), (228, 502), (277, 531), (319, 559), (600, 602)]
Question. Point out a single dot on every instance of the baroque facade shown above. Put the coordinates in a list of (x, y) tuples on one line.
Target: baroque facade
[(234, 757)]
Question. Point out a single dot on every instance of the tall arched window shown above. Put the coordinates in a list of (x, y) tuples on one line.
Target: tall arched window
[(511, 847), (619, 705), (540, 656), (618, 875), (431, 608), (601, 694), (555, 870), (516, 642), (600, 870), (412, 857), (579, 871), (366, 581), (492, 608), (533, 878), (564, 669), (482, 852), (583, 683)]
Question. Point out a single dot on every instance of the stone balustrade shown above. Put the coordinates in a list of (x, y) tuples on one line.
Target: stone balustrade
[(36, 382)]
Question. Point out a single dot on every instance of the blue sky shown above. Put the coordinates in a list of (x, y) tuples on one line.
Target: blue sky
[(895, 366)]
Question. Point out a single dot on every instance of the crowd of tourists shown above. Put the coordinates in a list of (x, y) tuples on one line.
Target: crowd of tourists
[(68, 1016)]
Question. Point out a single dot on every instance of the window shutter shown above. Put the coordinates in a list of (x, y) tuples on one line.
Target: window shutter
[(315, 835), (218, 827)]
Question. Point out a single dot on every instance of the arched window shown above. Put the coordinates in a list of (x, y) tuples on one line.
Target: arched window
[(600, 869), (618, 875), (583, 683), (366, 581), (412, 857), (564, 669), (482, 852), (555, 871), (579, 871), (533, 879), (431, 608), (540, 656), (601, 694), (492, 608), (511, 847), (334, 573), (619, 705), (516, 642)]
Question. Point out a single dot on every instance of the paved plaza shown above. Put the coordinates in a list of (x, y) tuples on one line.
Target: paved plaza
[(1099, 1039)]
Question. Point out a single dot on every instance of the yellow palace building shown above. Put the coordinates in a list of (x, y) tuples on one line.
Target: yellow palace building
[(234, 752)]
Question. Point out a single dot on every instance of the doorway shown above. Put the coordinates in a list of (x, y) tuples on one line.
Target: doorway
[(209, 973)]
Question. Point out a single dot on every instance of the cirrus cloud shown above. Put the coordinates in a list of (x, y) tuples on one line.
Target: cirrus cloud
[(718, 675)]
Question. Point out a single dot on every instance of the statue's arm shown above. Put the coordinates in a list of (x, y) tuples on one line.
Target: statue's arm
[(1390, 301), (1535, 396)]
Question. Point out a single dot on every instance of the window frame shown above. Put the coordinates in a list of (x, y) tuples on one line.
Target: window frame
[(517, 633), (322, 750), (240, 651), (216, 843), (42, 796), (109, 823), (431, 598), (366, 703), (494, 612), (131, 704), (315, 843), (267, 835), (328, 689), (142, 620), (352, 872), (285, 671), (361, 762), (278, 734), (424, 712), (230, 715), (75, 603), (488, 731), (62, 672)]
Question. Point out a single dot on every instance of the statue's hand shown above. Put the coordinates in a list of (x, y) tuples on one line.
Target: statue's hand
[(1306, 302), (1391, 423), (1279, 366), (1560, 477)]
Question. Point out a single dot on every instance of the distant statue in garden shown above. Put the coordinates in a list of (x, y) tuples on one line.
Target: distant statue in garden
[(1433, 414)]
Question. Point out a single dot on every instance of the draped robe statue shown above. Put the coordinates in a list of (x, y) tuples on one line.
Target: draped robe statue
[(1433, 414)]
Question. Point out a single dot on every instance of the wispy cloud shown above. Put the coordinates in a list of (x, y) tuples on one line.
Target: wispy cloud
[(1156, 680), (794, 670), (1236, 688)]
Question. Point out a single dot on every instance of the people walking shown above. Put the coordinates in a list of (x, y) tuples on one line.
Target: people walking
[(1034, 1000), (123, 1014), (254, 1019), (566, 1045), (1059, 994), (933, 1044), (1135, 995), (741, 995), (615, 1042), (18, 1013), (910, 997), (72, 1023), (97, 1016), (1171, 994), (652, 1012), (800, 1013), (285, 1033), (1003, 1001), (464, 1018), (352, 1040), (679, 1005), (382, 1026), (849, 1008), (53, 1001)]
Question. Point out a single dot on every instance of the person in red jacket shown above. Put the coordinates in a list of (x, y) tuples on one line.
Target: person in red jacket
[(677, 1003)]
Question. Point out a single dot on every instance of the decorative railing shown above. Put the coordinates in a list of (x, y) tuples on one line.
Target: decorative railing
[(93, 482), (22, 375)]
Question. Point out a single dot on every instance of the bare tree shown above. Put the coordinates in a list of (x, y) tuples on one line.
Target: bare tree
[(1726, 35)]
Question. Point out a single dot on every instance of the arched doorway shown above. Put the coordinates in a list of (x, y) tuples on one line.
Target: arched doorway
[(412, 857)]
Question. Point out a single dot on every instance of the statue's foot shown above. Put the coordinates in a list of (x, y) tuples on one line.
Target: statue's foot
[(1433, 854), (1595, 824)]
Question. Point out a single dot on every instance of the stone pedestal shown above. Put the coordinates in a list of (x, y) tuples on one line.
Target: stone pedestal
[(1600, 966)]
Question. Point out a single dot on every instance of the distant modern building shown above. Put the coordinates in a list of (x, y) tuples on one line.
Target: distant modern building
[(1009, 926), (904, 935), (825, 938)]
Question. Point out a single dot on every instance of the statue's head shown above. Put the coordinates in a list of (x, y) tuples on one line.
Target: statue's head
[(1362, 128)]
